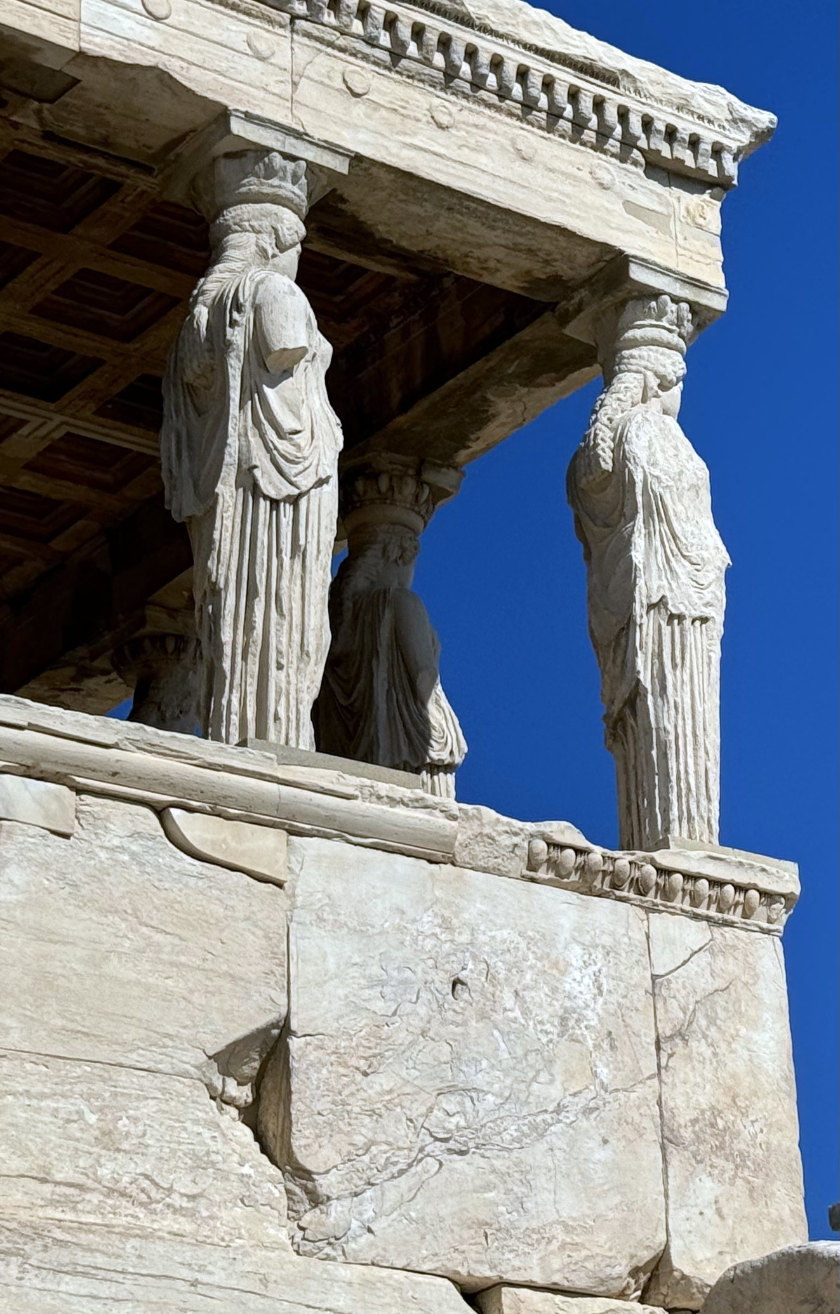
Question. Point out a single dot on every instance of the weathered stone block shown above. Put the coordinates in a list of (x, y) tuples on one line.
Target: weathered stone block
[(126, 965), (259, 851), (119, 949), (69, 1268), (730, 1132), (468, 1084), (524, 1300), (96, 1143), (796, 1280)]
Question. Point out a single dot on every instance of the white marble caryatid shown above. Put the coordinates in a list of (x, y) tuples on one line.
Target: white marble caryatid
[(249, 448), (381, 700), (656, 564)]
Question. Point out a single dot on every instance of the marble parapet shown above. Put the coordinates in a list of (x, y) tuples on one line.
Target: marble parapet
[(172, 771)]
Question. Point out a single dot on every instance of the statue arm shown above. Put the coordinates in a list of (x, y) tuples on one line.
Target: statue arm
[(197, 359), (281, 323), (418, 642)]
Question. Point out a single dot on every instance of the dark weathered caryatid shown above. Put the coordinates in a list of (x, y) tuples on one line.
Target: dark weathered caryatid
[(161, 670), (381, 700), (249, 449), (656, 565)]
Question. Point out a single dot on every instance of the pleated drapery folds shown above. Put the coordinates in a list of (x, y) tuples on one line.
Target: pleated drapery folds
[(261, 612)]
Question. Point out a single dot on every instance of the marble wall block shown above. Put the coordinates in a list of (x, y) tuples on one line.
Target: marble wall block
[(140, 989), (38, 803), (730, 1134), (468, 1082), (155, 961)]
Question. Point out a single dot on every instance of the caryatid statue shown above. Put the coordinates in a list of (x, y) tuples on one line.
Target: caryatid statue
[(249, 449), (382, 700), (656, 565)]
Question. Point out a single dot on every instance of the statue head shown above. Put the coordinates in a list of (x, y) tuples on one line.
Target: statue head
[(649, 343), (386, 503), (256, 202), (382, 557), (387, 555), (652, 322), (258, 236), (662, 371)]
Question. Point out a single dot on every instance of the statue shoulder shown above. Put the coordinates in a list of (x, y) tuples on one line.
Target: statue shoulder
[(637, 428), (278, 289), (284, 321)]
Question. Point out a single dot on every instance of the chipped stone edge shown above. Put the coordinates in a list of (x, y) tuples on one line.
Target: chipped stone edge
[(163, 770), (33, 802), (257, 850), (492, 1300)]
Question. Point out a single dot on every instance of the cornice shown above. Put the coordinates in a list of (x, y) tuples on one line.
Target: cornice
[(575, 99)]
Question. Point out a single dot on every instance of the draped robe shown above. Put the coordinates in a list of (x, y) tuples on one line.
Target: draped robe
[(381, 700), (656, 567), (249, 449)]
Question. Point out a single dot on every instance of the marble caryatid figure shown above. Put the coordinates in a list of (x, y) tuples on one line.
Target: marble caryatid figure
[(656, 564), (381, 700), (249, 450)]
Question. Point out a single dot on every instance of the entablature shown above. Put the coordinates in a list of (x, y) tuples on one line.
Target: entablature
[(581, 96)]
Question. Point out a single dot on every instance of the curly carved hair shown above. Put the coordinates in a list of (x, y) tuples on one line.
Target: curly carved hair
[(638, 375), (240, 223)]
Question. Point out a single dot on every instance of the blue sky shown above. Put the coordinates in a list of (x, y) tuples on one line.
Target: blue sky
[(502, 575)]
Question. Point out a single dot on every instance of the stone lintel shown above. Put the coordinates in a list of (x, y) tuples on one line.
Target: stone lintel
[(516, 381), (163, 769), (523, 57), (625, 277)]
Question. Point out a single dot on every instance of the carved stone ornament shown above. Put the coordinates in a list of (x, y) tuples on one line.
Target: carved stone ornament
[(249, 449), (650, 882), (381, 700), (655, 565)]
